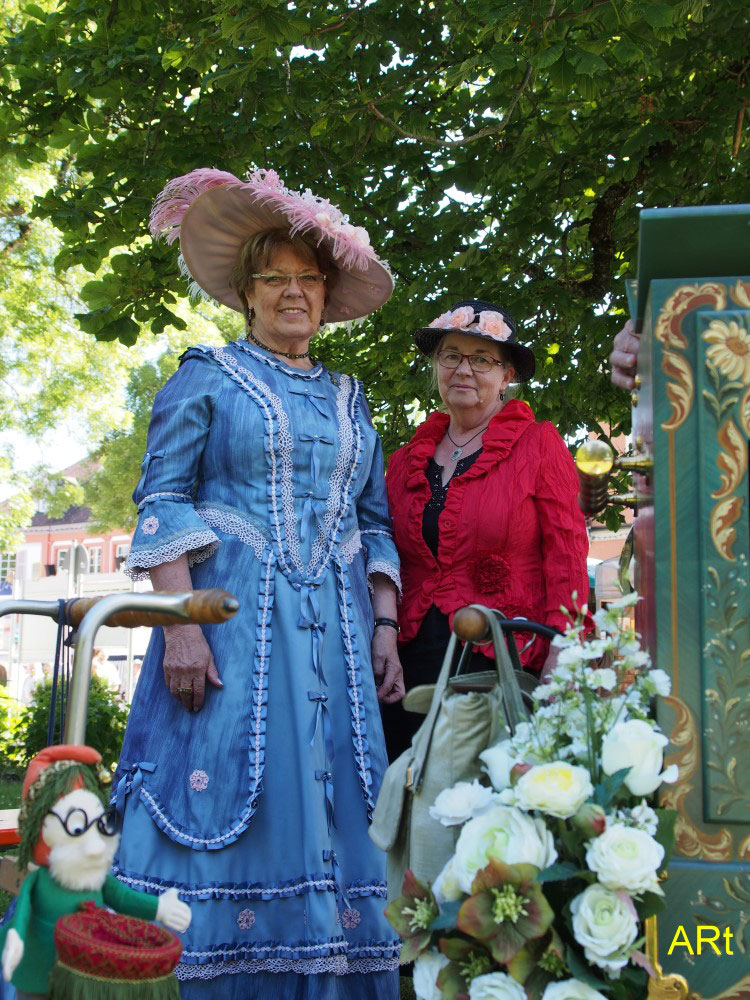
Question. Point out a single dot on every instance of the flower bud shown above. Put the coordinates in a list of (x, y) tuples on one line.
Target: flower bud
[(590, 819), (518, 771)]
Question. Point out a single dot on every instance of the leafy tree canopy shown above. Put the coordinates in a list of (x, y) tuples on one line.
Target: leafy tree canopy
[(491, 148)]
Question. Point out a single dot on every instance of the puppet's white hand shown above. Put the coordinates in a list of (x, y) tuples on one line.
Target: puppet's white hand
[(12, 953), (172, 912)]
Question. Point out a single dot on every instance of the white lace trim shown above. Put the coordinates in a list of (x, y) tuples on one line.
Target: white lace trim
[(338, 965), (377, 531), (388, 568), (280, 452), (200, 545), (152, 497), (236, 525), (263, 892), (335, 505), (351, 547), (351, 662)]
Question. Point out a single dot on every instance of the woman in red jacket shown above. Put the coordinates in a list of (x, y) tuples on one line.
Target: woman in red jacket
[(484, 502)]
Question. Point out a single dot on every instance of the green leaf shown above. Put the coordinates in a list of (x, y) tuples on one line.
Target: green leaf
[(582, 970), (546, 57), (319, 127), (665, 832), (561, 872), (606, 790), (658, 15)]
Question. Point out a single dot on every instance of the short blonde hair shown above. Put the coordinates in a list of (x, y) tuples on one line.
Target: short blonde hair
[(258, 250)]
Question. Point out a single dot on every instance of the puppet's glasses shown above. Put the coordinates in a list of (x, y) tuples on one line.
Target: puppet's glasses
[(76, 823)]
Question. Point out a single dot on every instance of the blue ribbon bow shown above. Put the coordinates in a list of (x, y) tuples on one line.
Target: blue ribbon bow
[(131, 781), (310, 618), (327, 778), (341, 896), (322, 715)]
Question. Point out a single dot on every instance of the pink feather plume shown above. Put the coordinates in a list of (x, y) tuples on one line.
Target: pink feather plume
[(177, 197)]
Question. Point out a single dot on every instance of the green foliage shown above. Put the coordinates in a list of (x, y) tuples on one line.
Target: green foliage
[(9, 712), (491, 148), (105, 723)]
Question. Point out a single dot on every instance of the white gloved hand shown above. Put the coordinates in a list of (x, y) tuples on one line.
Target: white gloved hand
[(172, 912), (12, 953)]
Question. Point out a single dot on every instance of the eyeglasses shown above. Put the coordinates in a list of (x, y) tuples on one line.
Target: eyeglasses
[(76, 823), (307, 280), (477, 362)]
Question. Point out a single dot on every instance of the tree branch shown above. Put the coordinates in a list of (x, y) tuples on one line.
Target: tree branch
[(449, 143), (342, 22)]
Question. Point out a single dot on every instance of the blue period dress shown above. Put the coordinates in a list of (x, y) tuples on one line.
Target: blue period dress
[(257, 807)]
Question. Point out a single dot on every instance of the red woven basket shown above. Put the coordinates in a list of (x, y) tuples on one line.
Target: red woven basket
[(112, 946)]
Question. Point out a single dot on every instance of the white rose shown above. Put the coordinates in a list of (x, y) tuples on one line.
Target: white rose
[(635, 744), (458, 804), (496, 986), (571, 989), (505, 833), (426, 970), (558, 789), (445, 886), (498, 761), (605, 927), (625, 857)]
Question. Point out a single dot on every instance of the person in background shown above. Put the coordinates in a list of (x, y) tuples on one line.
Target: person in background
[(624, 356), (484, 503)]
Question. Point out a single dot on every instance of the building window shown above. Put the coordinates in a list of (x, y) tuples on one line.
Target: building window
[(63, 560), (122, 550), (7, 565), (95, 559)]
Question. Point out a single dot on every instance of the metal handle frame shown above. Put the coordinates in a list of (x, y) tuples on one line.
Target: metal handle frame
[(75, 721)]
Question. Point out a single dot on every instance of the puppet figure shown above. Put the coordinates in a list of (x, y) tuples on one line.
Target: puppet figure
[(71, 837)]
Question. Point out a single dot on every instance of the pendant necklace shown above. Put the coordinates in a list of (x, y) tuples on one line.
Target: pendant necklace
[(459, 449), (283, 354)]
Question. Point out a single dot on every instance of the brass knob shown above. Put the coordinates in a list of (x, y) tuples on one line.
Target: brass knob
[(634, 399), (470, 625), (637, 381), (595, 458)]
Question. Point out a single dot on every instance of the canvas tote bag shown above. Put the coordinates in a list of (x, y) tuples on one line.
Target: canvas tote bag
[(460, 724)]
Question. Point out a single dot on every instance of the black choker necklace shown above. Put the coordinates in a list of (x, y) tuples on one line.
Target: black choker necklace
[(284, 354)]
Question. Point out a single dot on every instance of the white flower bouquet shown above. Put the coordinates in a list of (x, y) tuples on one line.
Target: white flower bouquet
[(558, 859)]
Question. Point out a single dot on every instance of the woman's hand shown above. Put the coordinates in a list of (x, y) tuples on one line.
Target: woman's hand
[(624, 356), (386, 665), (188, 664), (549, 664)]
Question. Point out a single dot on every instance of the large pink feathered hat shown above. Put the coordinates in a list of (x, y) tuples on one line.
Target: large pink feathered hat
[(213, 213)]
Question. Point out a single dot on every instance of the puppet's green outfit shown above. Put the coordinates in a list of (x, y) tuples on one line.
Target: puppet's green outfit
[(41, 903)]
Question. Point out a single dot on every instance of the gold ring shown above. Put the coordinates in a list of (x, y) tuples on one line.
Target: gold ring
[(184, 690)]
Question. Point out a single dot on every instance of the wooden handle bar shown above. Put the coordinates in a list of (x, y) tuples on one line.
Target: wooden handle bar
[(471, 625), (204, 607)]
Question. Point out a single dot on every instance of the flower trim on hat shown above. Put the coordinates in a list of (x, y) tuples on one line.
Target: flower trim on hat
[(305, 212), (489, 323)]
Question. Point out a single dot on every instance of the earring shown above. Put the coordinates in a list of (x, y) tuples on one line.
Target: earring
[(501, 396)]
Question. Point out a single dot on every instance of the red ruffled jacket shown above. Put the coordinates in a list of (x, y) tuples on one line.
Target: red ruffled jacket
[(511, 534)]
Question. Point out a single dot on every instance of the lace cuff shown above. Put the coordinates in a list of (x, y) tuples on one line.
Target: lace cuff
[(168, 528), (390, 569)]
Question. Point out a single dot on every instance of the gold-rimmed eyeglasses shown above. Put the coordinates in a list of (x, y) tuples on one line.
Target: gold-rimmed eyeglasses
[(307, 280), (477, 362)]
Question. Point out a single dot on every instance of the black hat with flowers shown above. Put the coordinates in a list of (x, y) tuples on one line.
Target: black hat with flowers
[(480, 319)]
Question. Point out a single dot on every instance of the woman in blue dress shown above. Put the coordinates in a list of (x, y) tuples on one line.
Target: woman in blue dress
[(254, 750)]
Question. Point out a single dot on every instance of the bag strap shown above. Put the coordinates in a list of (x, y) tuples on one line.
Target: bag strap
[(512, 701)]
